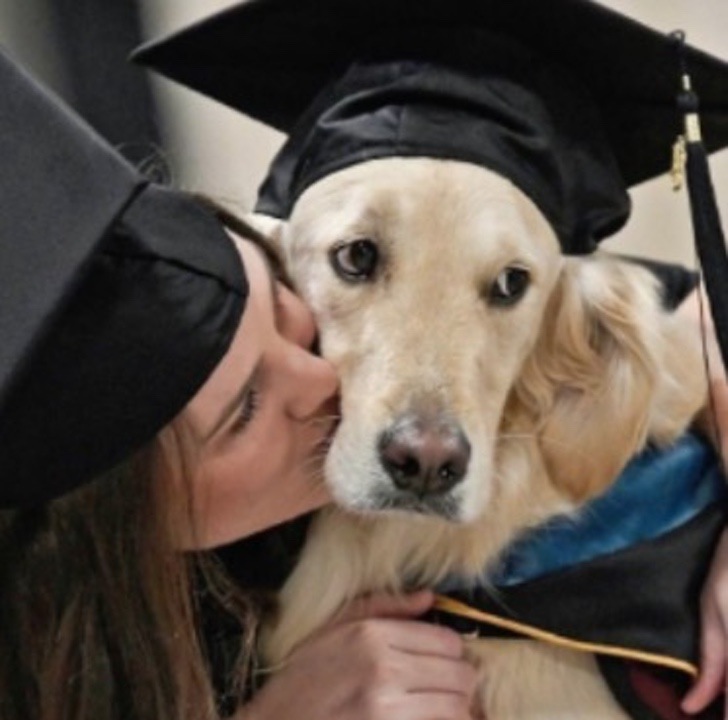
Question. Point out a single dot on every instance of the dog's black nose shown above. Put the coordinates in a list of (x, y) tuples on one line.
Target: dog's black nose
[(424, 456)]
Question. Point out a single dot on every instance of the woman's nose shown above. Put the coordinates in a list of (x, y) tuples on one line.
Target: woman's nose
[(314, 383), (295, 319)]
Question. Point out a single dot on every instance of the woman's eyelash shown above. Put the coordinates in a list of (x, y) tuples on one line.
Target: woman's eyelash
[(247, 411)]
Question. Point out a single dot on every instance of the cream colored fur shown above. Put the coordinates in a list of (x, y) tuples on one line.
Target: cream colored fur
[(555, 394)]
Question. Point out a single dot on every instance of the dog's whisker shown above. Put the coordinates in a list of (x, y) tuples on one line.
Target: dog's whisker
[(313, 466)]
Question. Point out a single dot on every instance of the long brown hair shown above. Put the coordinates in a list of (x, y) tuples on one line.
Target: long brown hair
[(98, 611)]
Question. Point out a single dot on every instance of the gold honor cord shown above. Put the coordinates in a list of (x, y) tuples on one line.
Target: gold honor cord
[(455, 607)]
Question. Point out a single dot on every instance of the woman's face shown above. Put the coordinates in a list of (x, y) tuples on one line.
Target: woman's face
[(260, 424)]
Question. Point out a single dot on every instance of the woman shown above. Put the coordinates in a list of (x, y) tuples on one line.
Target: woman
[(157, 395)]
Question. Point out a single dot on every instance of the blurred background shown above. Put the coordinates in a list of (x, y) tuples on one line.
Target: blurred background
[(80, 47)]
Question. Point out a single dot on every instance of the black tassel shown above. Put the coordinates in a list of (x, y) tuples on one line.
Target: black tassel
[(707, 228), (709, 240)]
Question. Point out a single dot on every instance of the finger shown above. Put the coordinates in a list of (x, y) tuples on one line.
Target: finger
[(438, 674), (712, 664), (420, 638), (386, 605), (433, 706)]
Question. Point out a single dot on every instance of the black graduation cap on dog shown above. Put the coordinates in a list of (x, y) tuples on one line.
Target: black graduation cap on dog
[(569, 100), (117, 299)]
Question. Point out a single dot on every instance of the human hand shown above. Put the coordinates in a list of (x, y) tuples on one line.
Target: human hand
[(713, 634), (374, 661), (713, 421)]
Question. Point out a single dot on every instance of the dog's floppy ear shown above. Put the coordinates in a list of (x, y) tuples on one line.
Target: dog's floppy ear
[(610, 369)]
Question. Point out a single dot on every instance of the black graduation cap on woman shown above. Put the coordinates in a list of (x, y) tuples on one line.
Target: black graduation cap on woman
[(117, 299), (570, 100)]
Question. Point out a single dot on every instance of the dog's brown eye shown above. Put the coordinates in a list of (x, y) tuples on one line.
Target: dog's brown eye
[(356, 260), (509, 286)]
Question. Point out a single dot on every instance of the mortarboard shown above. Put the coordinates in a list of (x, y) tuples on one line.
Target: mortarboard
[(117, 299), (511, 84), (571, 101)]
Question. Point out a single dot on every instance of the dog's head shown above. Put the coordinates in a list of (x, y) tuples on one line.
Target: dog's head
[(457, 328)]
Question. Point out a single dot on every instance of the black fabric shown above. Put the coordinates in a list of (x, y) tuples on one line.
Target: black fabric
[(263, 562), (676, 281), (271, 58), (644, 598), (495, 105), (710, 241), (117, 299), (568, 99), (94, 40), (707, 228), (51, 164)]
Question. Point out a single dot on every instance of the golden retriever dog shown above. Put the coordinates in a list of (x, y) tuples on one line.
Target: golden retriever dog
[(488, 383)]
